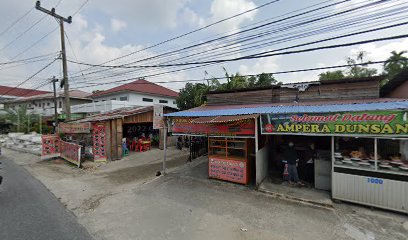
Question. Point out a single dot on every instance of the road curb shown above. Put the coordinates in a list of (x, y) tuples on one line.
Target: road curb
[(298, 200)]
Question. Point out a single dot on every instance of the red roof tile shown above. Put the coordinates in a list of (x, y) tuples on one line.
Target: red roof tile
[(140, 86), (19, 92)]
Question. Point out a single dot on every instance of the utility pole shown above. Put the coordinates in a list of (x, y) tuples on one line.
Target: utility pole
[(63, 54), (40, 122), (54, 80)]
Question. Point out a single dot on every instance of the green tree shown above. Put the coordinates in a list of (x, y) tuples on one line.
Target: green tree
[(20, 118), (394, 65), (357, 71), (194, 95), (266, 79), (353, 70), (329, 75)]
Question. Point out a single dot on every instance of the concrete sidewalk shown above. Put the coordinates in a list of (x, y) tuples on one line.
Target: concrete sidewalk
[(306, 195)]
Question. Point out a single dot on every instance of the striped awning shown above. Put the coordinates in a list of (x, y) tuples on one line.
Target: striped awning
[(223, 119)]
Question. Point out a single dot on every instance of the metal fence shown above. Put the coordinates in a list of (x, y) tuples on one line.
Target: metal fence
[(198, 147)]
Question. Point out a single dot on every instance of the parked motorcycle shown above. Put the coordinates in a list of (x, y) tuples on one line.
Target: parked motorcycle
[(179, 143), (1, 177)]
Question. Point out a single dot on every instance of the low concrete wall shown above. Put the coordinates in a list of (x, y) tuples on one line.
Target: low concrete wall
[(261, 164)]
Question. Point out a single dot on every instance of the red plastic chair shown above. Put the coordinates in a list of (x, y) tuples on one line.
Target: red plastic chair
[(133, 145), (137, 146)]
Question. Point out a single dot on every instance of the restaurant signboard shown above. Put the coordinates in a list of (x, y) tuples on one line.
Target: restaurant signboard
[(245, 127), (228, 170), (372, 123), (74, 127), (158, 119)]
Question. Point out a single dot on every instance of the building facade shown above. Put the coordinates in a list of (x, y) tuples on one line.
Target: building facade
[(43, 104), (349, 141), (138, 93)]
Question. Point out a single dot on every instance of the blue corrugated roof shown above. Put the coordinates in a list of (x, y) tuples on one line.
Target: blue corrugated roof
[(394, 105)]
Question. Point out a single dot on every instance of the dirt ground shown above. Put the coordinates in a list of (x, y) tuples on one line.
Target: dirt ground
[(125, 200)]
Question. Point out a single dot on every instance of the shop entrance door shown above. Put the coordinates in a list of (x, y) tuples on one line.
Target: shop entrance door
[(314, 164)]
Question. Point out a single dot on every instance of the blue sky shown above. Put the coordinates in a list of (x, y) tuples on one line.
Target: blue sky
[(106, 29)]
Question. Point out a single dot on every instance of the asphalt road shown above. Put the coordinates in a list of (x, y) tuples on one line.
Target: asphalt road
[(28, 211)]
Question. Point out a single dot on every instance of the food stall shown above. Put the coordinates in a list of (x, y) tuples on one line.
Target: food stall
[(231, 144), (369, 152), (228, 159)]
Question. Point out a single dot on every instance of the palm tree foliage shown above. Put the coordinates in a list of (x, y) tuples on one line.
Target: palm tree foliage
[(394, 65), (21, 119)]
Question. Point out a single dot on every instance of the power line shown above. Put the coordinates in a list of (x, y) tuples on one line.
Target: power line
[(194, 31), (34, 44), (16, 21), (171, 71), (254, 56), (247, 26), (249, 75), (22, 34), (133, 71), (79, 9), (26, 59), (29, 78), (254, 28), (43, 37), (280, 20), (325, 28), (73, 52)]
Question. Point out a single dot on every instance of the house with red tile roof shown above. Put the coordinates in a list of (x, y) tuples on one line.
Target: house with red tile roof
[(44, 103), (7, 92), (139, 93)]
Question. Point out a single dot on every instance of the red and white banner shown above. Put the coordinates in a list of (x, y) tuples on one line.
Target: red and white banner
[(99, 142), (71, 152), (51, 146), (244, 127)]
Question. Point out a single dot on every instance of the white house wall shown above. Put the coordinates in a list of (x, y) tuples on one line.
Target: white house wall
[(136, 99), (46, 106)]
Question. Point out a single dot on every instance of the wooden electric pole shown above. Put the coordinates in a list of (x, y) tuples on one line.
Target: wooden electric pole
[(63, 54), (54, 80)]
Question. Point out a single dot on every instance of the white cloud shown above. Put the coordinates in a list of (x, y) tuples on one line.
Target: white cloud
[(152, 13), (221, 9), (80, 23), (379, 52), (117, 25), (263, 65), (192, 18)]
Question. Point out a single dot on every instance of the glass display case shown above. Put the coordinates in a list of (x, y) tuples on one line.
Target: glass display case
[(373, 154), (234, 149), (392, 156)]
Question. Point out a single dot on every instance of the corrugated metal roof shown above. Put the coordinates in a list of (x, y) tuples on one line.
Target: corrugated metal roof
[(317, 107), (115, 114), (222, 119)]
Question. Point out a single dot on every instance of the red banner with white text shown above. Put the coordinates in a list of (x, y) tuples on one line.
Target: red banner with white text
[(244, 127)]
